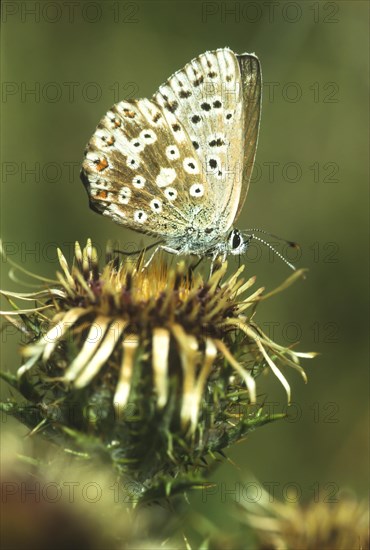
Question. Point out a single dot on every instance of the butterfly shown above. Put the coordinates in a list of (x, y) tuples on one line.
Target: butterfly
[(178, 166)]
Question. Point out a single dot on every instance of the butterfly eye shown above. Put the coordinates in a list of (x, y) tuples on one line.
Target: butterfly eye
[(235, 239)]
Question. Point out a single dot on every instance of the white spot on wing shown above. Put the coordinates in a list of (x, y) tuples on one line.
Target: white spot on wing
[(132, 163), (196, 190), (138, 182), (140, 216), (148, 136), (191, 165), (137, 145), (172, 152), (92, 156), (124, 195), (156, 205), (165, 177), (170, 193)]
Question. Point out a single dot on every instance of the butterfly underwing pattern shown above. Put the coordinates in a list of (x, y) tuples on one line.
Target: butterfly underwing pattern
[(178, 166)]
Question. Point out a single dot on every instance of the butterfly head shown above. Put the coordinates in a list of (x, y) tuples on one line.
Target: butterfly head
[(238, 242)]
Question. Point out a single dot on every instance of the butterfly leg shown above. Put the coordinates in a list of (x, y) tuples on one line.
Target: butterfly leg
[(192, 267), (196, 263), (215, 255), (161, 247)]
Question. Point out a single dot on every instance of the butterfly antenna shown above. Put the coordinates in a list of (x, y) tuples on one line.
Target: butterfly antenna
[(251, 236), (289, 243)]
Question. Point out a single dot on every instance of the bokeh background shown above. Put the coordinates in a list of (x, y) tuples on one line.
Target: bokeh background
[(65, 64)]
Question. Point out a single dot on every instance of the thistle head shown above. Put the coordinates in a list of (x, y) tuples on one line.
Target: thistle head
[(153, 368)]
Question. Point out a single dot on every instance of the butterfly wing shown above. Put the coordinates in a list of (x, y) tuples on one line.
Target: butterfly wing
[(251, 78), (184, 158), (140, 169), (208, 95)]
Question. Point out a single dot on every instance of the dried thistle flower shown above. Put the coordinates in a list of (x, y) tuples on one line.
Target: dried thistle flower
[(144, 366), (342, 525)]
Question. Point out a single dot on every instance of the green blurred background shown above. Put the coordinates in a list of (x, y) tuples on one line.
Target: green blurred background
[(63, 67)]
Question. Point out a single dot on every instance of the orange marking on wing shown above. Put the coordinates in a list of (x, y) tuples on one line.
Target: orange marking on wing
[(101, 194), (128, 113), (102, 164)]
